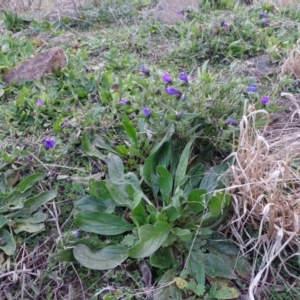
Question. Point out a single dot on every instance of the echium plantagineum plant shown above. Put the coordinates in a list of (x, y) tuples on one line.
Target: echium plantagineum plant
[(174, 204)]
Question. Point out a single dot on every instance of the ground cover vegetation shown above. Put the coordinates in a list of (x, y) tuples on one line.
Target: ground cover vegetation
[(128, 173)]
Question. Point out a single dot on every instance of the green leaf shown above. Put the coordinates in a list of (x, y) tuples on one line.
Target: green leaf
[(3, 182), (26, 225), (197, 200), (118, 194), (166, 290), (33, 203), (90, 149), (115, 168), (98, 142), (29, 181), (3, 221), (215, 206), (158, 153), (7, 243), (65, 255), (56, 124), (225, 289), (101, 223), (215, 266), (151, 238), (182, 165), (165, 183), (130, 130), (213, 178), (173, 213), (88, 203), (198, 289), (105, 259), (228, 252), (183, 234), (162, 258)]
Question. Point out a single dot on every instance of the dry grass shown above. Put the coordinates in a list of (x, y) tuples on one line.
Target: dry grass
[(291, 65), (266, 195)]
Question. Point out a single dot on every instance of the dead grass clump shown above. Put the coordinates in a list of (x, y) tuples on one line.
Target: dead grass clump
[(291, 65), (266, 197), (285, 3)]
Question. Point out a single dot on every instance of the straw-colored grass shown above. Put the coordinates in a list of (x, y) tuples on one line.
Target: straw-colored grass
[(291, 65), (266, 195)]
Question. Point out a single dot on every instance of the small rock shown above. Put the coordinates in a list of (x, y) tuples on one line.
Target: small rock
[(36, 67), (168, 11)]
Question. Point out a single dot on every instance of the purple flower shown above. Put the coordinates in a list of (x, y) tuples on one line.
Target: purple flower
[(146, 111), (123, 101), (180, 12), (76, 233), (145, 70), (49, 143), (264, 15), (182, 76), (166, 77), (190, 78), (266, 22), (172, 91), (179, 114), (68, 108), (252, 88), (39, 102), (232, 121), (224, 24), (264, 100)]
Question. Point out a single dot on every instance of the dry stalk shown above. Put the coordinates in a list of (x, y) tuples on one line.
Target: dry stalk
[(265, 195)]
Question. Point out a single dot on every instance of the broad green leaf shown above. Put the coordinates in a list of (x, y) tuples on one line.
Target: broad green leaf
[(195, 176), (229, 252), (197, 200), (165, 183), (162, 258), (28, 225), (165, 290), (33, 203), (115, 168), (98, 142), (183, 234), (65, 255), (88, 203), (138, 215), (151, 238), (212, 179), (198, 289), (7, 243), (98, 189), (173, 213), (29, 181), (101, 223), (3, 221), (182, 165), (3, 182), (149, 169), (105, 259), (215, 206), (118, 194), (215, 266), (56, 124), (225, 288), (130, 130), (90, 149)]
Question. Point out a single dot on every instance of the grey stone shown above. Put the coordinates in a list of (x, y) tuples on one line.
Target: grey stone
[(167, 11)]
